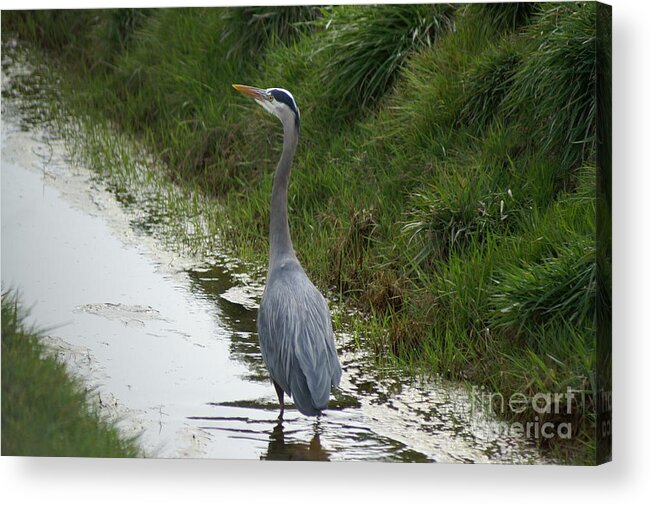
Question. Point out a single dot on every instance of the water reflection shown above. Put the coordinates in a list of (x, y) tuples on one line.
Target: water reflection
[(212, 283), (283, 448)]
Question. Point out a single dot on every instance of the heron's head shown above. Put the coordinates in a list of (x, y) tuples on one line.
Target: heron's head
[(277, 101)]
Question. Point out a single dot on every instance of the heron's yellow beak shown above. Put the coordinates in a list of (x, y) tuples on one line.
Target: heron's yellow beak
[(258, 94)]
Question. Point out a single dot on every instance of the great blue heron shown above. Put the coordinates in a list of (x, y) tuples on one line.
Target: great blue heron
[(294, 325)]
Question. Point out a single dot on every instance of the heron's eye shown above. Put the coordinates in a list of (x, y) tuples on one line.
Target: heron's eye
[(270, 97)]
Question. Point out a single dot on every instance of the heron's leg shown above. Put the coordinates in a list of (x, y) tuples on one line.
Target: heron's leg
[(281, 398)]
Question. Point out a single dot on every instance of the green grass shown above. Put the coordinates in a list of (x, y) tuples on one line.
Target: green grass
[(506, 16), (44, 411), (554, 89), (443, 184), (361, 49), (248, 31)]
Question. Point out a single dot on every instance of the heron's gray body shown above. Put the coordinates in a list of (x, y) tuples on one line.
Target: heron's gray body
[(296, 338), (294, 324)]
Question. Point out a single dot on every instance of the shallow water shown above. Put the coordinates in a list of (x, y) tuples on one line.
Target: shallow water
[(168, 341)]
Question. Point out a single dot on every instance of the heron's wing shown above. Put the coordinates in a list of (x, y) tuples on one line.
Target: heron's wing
[(315, 351), (296, 339)]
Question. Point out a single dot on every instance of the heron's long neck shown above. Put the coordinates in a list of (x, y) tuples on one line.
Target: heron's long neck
[(280, 242)]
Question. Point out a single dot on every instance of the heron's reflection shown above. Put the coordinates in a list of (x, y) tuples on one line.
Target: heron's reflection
[(281, 450)]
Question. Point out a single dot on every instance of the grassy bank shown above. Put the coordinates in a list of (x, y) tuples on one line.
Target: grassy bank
[(44, 411), (445, 179)]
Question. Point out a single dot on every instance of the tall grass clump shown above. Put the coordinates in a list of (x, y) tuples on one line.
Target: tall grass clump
[(487, 83), (455, 212), (553, 92), (115, 31), (424, 114), (364, 47), (563, 287), (248, 31), (506, 16)]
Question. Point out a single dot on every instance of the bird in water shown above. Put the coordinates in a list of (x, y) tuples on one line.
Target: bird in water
[(294, 323)]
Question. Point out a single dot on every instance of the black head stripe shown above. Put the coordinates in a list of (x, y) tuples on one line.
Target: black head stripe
[(283, 97)]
